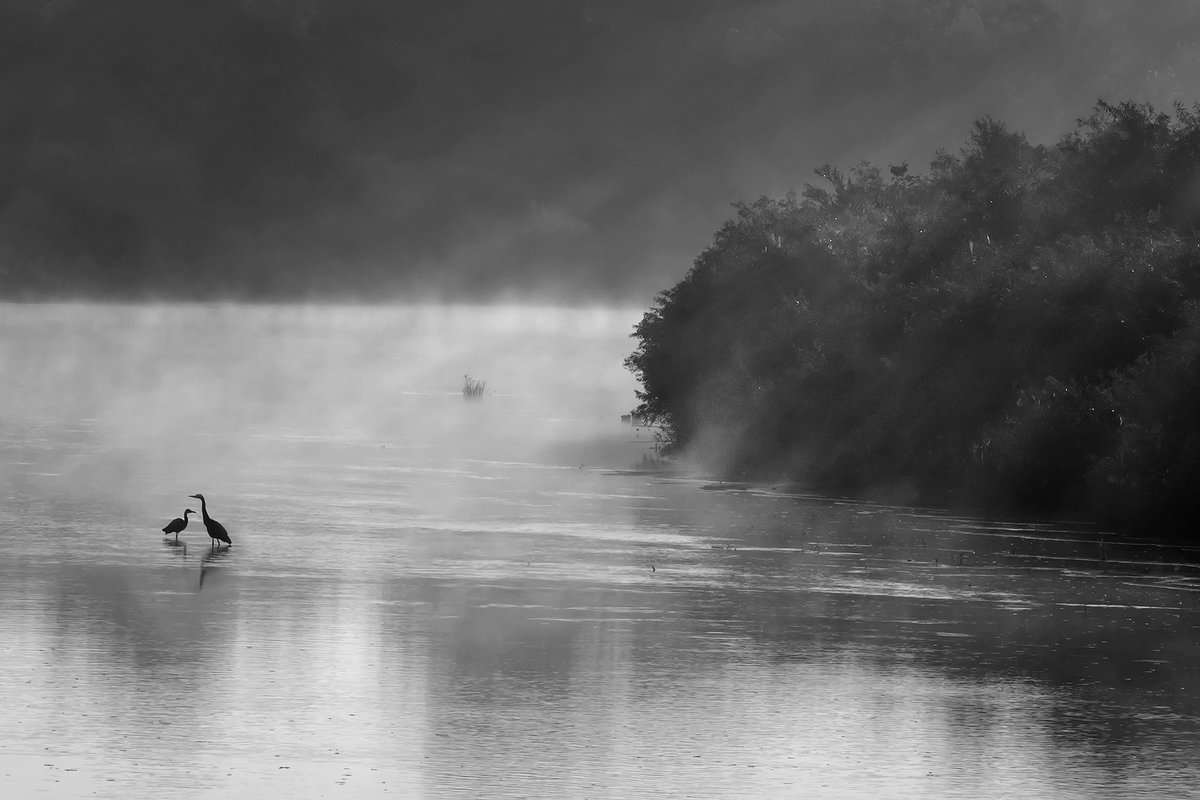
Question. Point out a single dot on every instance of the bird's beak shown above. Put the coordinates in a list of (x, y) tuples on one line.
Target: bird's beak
[(195, 496)]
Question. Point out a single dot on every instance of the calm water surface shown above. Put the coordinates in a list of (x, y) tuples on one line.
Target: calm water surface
[(428, 597)]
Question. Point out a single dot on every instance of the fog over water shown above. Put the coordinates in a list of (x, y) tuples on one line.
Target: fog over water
[(430, 596), (433, 597)]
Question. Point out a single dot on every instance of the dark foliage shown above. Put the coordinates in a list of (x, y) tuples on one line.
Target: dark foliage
[(1017, 330)]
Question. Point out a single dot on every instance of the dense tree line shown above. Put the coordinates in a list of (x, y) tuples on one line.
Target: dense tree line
[(1017, 330)]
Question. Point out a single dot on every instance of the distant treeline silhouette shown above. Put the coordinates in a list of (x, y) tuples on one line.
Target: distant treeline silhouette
[(1016, 331)]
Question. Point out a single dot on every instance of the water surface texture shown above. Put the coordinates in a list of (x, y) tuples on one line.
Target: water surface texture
[(430, 597)]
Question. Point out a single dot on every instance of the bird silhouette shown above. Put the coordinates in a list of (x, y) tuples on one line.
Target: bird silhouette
[(215, 529), (177, 524)]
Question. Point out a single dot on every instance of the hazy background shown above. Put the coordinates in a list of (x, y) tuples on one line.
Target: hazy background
[(560, 148)]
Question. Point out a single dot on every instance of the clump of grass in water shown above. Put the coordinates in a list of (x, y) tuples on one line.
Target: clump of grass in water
[(657, 460), (652, 462), (473, 389)]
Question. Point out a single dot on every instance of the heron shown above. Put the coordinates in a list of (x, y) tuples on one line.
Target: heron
[(215, 529), (178, 524)]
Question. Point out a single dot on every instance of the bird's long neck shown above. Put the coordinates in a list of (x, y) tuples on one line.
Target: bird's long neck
[(203, 509)]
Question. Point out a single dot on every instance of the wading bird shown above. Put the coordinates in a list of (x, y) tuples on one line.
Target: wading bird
[(215, 529), (177, 524)]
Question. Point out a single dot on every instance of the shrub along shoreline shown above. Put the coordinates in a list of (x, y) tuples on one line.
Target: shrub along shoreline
[(1016, 331)]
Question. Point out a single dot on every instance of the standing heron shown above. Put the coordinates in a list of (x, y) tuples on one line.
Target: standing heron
[(215, 529), (177, 524)]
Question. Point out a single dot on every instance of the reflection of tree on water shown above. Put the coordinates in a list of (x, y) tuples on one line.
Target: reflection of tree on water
[(968, 604)]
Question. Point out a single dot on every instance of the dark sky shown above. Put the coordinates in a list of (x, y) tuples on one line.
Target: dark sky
[(567, 148)]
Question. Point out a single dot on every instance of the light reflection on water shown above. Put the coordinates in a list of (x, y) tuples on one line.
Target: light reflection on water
[(429, 598)]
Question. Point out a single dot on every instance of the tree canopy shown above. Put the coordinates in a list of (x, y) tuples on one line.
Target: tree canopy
[(1016, 330)]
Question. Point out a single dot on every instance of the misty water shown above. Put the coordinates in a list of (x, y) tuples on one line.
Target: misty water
[(434, 597)]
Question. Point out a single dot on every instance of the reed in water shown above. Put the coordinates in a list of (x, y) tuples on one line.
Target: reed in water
[(473, 389)]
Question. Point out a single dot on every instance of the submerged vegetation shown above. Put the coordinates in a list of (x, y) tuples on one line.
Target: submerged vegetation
[(1017, 330)]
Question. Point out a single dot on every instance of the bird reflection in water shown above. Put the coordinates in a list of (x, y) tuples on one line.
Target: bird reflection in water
[(210, 567), (176, 545)]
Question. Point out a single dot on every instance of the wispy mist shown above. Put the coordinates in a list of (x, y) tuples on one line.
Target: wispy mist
[(156, 399)]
